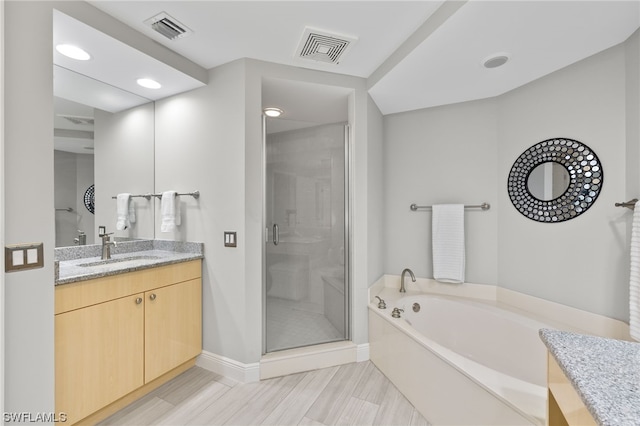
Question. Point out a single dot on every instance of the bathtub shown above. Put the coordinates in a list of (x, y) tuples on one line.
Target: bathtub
[(462, 361)]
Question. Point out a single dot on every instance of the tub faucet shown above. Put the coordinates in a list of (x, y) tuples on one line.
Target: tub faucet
[(106, 245), (413, 278)]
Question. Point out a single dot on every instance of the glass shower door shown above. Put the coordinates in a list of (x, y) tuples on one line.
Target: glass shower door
[(306, 291)]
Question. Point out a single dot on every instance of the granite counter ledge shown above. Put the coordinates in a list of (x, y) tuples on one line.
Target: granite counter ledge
[(71, 271), (135, 255), (604, 372)]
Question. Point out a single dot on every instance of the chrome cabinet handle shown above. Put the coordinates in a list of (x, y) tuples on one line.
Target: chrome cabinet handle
[(276, 234), (152, 296), (138, 300)]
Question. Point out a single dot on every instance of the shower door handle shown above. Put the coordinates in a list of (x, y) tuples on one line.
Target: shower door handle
[(276, 234)]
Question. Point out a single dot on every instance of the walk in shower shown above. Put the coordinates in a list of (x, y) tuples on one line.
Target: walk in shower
[(306, 288)]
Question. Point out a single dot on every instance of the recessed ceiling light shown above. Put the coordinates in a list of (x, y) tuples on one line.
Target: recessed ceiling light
[(496, 60), (73, 52), (273, 112), (148, 83)]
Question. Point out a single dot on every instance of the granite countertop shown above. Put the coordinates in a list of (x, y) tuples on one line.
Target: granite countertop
[(604, 372), (81, 263)]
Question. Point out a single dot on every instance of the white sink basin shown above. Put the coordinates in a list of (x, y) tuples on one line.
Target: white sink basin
[(118, 260)]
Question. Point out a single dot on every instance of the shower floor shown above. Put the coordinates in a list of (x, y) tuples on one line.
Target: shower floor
[(291, 324)]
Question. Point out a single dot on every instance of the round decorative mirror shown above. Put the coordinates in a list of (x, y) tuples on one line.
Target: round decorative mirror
[(555, 180), (90, 199)]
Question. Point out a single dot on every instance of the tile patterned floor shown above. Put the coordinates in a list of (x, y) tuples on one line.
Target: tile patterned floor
[(351, 394), (290, 325)]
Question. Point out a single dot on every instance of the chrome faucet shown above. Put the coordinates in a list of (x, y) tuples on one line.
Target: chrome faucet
[(413, 278), (106, 245), (81, 239)]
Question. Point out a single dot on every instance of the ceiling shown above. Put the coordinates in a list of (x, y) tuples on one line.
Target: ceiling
[(415, 54)]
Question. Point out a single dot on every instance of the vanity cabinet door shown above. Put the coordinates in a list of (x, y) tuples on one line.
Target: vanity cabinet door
[(98, 355), (173, 326)]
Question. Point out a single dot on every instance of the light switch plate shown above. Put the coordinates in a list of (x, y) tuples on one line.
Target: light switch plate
[(18, 257), (230, 239)]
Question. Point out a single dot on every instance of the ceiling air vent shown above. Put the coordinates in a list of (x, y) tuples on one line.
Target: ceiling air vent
[(322, 46), (76, 119), (168, 26)]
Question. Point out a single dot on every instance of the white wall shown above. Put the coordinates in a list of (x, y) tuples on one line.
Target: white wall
[(200, 145), (464, 152), (376, 178), (582, 262), (435, 156), (632, 52), (29, 213), (65, 189), (2, 198), (124, 163), (73, 173), (85, 220)]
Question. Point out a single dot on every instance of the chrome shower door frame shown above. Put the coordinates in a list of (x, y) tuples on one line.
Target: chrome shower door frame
[(347, 233)]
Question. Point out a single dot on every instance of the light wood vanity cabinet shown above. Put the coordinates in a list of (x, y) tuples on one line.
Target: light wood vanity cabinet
[(172, 327), (118, 337), (565, 407)]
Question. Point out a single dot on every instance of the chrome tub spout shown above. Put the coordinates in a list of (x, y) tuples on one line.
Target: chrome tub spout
[(413, 278)]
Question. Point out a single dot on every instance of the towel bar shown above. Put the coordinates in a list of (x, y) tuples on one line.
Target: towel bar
[(147, 196), (483, 206), (628, 204), (194, 194)]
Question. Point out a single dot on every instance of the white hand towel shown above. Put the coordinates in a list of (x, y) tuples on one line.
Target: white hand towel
[(448, 243), (125, 212), (170, 211), (634, 276)]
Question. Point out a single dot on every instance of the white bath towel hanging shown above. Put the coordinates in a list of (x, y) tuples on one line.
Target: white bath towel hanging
[(125, 211), (169, 211), (448, 243), (634, 276)]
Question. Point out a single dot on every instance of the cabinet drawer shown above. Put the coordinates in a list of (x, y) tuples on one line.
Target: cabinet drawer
[(85, 293)]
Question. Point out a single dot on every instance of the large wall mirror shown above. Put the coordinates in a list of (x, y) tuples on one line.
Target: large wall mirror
[(555, 180), (103, 145), (104, 127), (98, 154)]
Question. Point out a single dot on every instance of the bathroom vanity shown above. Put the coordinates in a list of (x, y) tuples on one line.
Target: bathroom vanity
[(123, 328), (592, 380)]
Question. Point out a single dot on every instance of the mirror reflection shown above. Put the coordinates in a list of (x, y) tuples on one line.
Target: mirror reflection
[(73, 171), (103, 145), (548, 181)]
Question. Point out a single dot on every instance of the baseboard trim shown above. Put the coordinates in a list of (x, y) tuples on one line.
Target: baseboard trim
[(306, 359), (227, 367), (362, 352), (285, 362)]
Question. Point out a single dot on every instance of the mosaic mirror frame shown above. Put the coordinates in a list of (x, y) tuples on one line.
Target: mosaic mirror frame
[(585, 180), (90, 199)]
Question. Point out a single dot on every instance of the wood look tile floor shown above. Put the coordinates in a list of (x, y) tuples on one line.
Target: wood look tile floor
[(351, 394)]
